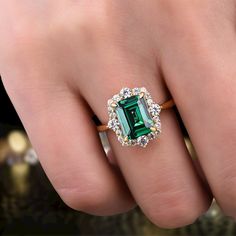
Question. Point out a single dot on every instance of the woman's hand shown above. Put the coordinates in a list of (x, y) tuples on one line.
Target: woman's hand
[(61, 61)]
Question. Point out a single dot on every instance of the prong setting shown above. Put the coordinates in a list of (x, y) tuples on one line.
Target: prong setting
[(141, 95), (153, 129), (113, 105), (126, 139)]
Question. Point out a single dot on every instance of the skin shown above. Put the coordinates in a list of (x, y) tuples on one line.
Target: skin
[(61, 61)]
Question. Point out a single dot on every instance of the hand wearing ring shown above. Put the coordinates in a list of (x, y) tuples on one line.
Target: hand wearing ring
[(61, 61)]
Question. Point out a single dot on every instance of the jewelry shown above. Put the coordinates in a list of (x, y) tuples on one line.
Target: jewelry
[(134, 116)]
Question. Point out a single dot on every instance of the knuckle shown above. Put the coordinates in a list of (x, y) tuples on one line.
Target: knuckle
[(190, 30), (181, 7), (88, 200), (19, 40), (94, 20), (25, 43), (173, 209), (170, 6)]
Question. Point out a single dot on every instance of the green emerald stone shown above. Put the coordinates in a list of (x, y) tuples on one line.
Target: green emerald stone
[(134, 117)]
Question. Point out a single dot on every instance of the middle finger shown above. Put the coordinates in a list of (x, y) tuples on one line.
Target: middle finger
[(161, 177)]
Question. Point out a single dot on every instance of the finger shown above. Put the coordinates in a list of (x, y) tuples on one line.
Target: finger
[(61, 130), (204, 68), (161, 177)]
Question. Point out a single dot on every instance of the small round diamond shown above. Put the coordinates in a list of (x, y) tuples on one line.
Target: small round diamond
[(143, 141), (116, 98), (144, 90), (113, 124), (112, 115), (151, 135), (147, 95), (136, 91), (158, 125), (110, 109), (118, 132), (158, 132), (133, 142), (149, 102), (121, 139), (156, 119), (126, 92), (109, 102), (127, 142), (155, 109)]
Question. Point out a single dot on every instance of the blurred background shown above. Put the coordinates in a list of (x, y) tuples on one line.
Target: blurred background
[(30, 206)]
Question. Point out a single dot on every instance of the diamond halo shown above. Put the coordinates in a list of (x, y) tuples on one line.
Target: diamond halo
[(144, 111)]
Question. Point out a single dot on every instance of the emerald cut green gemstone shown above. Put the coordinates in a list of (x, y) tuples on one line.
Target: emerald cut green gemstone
[(134, 117)]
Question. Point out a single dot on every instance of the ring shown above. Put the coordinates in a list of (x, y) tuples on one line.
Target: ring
[(134, 116)]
